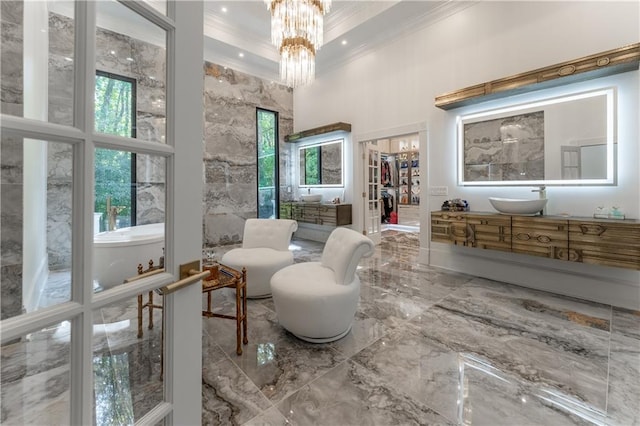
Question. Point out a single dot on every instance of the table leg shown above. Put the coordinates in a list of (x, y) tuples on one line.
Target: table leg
[(238, 319), (139, 316)]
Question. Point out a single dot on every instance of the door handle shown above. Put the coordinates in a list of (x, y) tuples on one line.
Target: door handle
[(189, 273)]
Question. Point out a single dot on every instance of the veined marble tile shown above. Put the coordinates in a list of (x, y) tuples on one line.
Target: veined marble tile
[(570, 360), (364, 332), (459, 386), (352, 395), (623, 404), (626, 322), (390, 308), (283, 366), (228, 396), (271, 417)]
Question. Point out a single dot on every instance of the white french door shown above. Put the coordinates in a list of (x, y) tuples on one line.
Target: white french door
[(75, 358), (372, 191)]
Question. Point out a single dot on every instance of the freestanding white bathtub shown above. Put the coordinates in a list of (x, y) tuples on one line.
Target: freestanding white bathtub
[(116, 254)]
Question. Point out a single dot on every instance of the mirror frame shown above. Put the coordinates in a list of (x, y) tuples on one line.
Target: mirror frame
[(609, 92), (318, 144)]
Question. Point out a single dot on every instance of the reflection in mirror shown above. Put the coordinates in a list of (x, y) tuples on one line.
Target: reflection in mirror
[(321, 164), (567, 140)]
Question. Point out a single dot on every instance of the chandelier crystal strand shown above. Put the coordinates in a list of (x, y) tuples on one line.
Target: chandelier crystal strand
[(297, 62), (297, 30)]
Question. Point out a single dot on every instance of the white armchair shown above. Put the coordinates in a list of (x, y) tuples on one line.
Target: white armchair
[(317, 301), (265, 250)]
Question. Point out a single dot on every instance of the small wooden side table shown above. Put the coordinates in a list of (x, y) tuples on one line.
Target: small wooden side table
[(222, 276)]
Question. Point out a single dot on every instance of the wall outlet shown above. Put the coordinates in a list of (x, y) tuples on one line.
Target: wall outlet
[(439, 190)]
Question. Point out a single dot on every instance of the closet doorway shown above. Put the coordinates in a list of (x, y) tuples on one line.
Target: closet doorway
[(400, 182)]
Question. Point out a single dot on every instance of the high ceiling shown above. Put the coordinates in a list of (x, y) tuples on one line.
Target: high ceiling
[(238, 33)]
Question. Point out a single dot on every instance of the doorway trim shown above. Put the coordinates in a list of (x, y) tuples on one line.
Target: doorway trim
[(359, 185)]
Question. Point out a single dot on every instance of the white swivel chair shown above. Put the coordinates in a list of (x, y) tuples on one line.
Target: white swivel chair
[(317, 301), (265, 250)]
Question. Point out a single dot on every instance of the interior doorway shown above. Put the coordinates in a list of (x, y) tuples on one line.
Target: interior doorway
[(400, 182), (391, 198)]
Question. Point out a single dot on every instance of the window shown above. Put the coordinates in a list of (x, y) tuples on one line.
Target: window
[(267, 153), (115, 171)]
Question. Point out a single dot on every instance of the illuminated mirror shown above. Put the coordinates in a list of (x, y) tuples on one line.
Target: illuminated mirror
[(561, 141), (321, 164)]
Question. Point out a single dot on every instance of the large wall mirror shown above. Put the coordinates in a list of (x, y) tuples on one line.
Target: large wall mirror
[(321, 164), (569, 140)]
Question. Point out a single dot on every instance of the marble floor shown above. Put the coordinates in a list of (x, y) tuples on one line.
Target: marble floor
[(427, 346)]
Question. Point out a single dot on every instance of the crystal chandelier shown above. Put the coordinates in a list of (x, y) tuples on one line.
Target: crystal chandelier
[(296, 29)]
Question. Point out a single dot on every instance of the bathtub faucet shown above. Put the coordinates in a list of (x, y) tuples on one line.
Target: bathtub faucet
[(112, 213)]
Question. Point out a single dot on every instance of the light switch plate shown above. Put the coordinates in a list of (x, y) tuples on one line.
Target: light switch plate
[(439, 190)]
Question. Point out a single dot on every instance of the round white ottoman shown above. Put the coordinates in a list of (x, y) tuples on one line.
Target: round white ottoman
[(311, 305), (261, 264)]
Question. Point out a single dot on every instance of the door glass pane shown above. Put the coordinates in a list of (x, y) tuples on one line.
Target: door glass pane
[(35, 378), (26, 27), (35, 232), (134, 49), (130, 196), (126, 366)]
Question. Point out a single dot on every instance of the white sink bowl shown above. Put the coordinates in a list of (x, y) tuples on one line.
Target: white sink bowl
[(518, 206), (311, 198)]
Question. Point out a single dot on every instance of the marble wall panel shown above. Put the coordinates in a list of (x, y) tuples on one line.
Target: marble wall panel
[(11, 81), (11, 161), (11, 225), (230, 181)]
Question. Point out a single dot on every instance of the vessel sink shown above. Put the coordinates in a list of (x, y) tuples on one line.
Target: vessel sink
[(311, 198), (518, 206)]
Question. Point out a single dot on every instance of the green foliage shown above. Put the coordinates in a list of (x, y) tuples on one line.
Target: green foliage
[(113, 103)]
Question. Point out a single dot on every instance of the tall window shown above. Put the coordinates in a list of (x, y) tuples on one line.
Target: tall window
[(115, 171), (267, 153)]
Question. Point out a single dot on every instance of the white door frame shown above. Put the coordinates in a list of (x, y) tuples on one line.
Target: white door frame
[(359, 184), (183, 233)]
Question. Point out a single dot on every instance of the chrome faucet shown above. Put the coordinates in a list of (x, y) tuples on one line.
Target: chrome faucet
[(542, 191)]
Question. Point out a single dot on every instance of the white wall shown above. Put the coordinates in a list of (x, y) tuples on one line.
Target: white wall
[(397, 85)]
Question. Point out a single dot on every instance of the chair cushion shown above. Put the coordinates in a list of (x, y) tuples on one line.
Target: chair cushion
[(343, 251), (261, 264), (309, 302), (270, 233)]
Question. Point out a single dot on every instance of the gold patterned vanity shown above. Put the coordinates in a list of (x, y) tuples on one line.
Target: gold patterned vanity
[(317, 213), (607, 242)]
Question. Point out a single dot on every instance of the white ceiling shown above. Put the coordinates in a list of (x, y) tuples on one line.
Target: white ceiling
[(245, 28)]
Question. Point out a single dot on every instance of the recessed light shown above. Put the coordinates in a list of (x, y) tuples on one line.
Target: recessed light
[(130, 59), (152, 77), (113, 52), (66, 58), (223, 9), (344, 42), (241, 54)]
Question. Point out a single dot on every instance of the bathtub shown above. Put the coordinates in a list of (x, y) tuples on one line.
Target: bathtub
[(116, 254)]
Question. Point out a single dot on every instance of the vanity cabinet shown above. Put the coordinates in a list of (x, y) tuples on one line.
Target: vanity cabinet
[(449, 227), (317, 213), (611, 243), (491, 232), (539, 236), (601, 242)]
